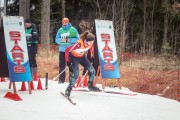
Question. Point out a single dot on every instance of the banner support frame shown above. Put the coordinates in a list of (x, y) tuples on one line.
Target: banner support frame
[(14, 87), (104, 80)]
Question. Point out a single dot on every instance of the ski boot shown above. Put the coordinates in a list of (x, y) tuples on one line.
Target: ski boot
[(68, 91), (91, 87)]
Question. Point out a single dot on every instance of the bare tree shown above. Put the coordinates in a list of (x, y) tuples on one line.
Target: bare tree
[(45, 25), (123, 26), (27, 8), (151, 47), (24, 8), (100, 5), (165, 24), (143, 49), (85, 26), (63, 8)]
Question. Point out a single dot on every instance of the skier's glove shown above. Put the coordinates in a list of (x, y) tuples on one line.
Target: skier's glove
[(92, 60), (69, 63)]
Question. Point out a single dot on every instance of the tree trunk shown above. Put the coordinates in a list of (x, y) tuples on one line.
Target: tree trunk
[(113, 10), (5, 5), (24, 8), (0, 11), (144, 29), (45, 25), (27, 8), (122, 26), (76, 8), (63, 8), (165, 29), (151, 48)]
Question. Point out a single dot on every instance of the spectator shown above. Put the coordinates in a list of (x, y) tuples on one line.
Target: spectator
[(66, 36), (32, 41)]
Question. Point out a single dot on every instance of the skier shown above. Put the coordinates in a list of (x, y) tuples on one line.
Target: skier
[(75, 54)]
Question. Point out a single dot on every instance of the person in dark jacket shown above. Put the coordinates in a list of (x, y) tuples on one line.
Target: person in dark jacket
[(32, 44), (75, 55)]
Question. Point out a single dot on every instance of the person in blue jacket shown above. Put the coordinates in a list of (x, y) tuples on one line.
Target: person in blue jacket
[(66, 36)]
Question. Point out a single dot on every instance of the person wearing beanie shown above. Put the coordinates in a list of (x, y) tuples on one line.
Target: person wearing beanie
[(75, 55), (66, 36), (32, 38)]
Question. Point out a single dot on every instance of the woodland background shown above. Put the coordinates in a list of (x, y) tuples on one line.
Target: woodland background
[(147, 36)]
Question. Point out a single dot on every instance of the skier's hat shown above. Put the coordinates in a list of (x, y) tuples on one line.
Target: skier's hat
[(28, 20), (90, 37)]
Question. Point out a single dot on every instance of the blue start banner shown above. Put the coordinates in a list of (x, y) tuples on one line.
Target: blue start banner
[(16, 49), (107, 49)]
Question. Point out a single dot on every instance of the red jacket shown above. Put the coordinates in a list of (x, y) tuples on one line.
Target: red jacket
[(80, 44)]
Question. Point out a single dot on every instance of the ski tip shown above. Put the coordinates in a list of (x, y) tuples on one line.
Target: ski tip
[(68, 98)]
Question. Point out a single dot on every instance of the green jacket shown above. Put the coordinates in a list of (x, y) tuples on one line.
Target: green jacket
[(32, 36)]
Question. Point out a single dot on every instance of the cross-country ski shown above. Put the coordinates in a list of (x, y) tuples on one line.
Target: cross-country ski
[(68, 98), (108, 92)]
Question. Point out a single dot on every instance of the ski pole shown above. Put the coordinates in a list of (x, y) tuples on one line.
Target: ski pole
[(58, 76), (83, 78)]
